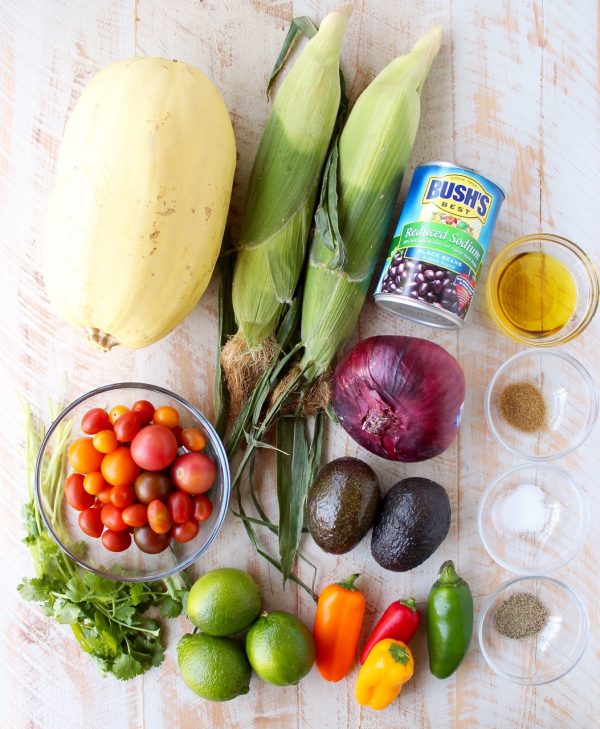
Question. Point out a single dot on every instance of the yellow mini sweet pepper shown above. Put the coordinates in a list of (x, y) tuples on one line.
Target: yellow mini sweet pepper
[(388, 667)]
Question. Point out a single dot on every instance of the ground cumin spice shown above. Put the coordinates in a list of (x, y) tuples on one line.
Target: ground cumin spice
[(522, 405)]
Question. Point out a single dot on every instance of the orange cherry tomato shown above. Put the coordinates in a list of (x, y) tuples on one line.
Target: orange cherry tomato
[(167, 416), (104, 496), (105, 441), (119, 468), (75, 494), (83, 457), (116, 413), (193, 439), (144, 409), (122, 496), (135, 515), (116, 541), (185, 532), (159, 517), (94, 482), (94, 420)]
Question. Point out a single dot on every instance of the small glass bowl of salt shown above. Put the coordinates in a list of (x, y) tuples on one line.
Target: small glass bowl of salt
[(533, 519)]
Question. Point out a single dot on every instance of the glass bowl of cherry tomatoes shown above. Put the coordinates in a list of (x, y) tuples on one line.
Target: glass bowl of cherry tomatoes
[(132, 482)]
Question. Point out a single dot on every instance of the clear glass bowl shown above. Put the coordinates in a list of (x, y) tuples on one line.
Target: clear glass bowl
[(565, 514), (132, 565), (550, 654), (571, 404), (582, 270)]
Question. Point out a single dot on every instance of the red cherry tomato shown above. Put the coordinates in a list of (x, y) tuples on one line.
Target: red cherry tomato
[(104, 496), (112, 518), (94, 483), (75, 494), (135, 515), (149, 541), (127, 426), (116, 413), (185, 532), (122, 496), (202, 507), (159, 517), (105, 441), (193, 473), (154, 448), (116, 541), (118, 467), (167, 416), (177, 431), (180, 507), (83, 457), (94, 421), (193, 439), (90, 522), (144, 409)]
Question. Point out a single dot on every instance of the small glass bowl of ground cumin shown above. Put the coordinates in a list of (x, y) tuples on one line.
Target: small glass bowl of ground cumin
[(541, 404), (533, 630)]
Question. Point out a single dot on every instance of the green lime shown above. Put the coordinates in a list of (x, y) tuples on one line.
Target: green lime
[(280, 648), (223, 602), (215, 668)]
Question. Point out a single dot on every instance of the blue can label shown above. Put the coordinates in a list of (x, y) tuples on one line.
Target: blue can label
[(441, 239)]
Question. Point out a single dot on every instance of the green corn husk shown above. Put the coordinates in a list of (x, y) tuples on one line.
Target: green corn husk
[(284, 183), (361, 185)]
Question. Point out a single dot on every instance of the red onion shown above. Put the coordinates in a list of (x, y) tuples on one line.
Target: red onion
[(399, 397)]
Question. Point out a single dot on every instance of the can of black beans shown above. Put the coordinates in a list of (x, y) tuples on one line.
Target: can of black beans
[(440, 243)]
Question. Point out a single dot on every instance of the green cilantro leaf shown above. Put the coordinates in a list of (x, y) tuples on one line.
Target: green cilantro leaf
[(125, 667)]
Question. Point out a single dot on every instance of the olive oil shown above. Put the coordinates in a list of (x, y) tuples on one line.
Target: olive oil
[(536, 294)]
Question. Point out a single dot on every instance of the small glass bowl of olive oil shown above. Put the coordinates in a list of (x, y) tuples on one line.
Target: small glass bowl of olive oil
[(542, 290)]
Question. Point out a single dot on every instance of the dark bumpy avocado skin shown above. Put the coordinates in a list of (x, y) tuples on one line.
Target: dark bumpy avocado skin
[(412, 522), (342, 503)]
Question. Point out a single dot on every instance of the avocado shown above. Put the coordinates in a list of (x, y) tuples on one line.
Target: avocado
[(342, 503), (412, 522)]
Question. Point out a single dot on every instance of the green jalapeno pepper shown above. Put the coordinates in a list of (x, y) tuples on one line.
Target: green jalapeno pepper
[(449, 621)]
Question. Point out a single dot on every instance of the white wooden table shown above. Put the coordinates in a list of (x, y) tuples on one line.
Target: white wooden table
[(515, 93)]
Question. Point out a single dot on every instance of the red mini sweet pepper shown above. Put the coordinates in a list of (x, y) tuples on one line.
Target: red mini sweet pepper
[(399, 622)]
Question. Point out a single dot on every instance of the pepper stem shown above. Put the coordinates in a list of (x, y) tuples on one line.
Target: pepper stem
[(348, 583), (410, 603), (447, 574)]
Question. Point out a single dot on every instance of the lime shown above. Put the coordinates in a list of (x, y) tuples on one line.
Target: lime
[(280, 648), (223, 602), (215, 668)]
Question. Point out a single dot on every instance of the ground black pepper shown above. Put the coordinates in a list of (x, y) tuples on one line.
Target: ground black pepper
[(522, 405), (520, 616)]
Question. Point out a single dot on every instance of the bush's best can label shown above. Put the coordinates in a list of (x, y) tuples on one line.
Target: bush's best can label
[(439, 245)]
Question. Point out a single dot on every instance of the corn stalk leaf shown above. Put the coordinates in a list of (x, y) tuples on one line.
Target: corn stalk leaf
[(327, 229), (298, 27), (297, 461)]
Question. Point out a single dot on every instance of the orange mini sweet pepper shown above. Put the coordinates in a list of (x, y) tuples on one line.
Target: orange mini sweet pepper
[(336, 631), (387, 668)]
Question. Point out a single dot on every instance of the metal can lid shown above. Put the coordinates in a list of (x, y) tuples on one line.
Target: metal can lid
[(465, 168), (419, 311)]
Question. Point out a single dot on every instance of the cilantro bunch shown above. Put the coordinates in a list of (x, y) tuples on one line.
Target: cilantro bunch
[(108, 618)]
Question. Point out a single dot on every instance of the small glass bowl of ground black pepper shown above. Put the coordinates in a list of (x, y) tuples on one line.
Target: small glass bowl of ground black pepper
[(541, 404), (533, 630)]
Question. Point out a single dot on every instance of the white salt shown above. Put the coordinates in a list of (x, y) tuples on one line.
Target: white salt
[(524, 509)]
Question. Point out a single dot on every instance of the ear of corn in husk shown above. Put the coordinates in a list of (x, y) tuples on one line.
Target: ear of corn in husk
[(284, 183), (360, 188)]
